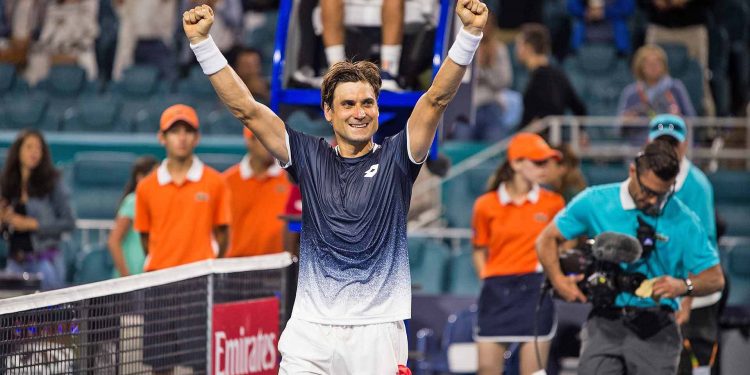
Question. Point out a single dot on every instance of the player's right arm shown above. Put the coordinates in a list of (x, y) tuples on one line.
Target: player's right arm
[(268, 127)]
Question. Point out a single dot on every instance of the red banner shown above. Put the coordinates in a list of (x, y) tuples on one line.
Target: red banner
[(244, 337)]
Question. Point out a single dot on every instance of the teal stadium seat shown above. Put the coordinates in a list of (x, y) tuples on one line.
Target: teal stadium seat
[(739, 276), (222, 122), (7, 78), (98, 179), (95, 114), (732, 200), (430, 275), (599, 75), (300, 121), (598, 174), (94, 265), (138, 82), (66, 81), (416, 251), (23, 111), (197, 87), (220, 162), (459, 195), (462, 275)]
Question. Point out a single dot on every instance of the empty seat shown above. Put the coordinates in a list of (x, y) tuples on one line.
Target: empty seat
[(726, 183), (65, 81), (737, 217), (7, 78), (98, 178), (23, 111), (96, 114), (738, 271), (222, 122), (138, 81), (94, 265), (598, 174), (462, 275), (430, 275)]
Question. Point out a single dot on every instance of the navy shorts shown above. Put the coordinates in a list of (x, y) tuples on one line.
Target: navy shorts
[(507, 310)]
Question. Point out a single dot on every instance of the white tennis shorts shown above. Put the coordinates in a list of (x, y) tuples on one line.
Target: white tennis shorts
[(311, 348)]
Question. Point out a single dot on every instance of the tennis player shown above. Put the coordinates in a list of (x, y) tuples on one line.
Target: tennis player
[(354, 285)]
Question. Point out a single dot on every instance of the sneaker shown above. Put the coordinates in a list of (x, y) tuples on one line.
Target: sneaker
[(305, 77), (389, 82)]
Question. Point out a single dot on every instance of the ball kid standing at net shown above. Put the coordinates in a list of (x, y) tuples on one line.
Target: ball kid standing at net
[(354, 285)]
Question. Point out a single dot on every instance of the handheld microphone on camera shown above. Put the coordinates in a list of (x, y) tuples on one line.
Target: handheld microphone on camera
[(616, 248)]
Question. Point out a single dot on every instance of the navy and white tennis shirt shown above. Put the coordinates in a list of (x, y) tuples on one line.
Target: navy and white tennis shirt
[(354, 264)]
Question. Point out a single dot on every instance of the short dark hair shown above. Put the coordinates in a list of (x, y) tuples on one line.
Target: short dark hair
[(537, 36), (660, 158), (347, 71)]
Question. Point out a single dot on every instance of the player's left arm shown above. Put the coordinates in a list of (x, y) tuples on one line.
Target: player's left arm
[(430, 107), (221, 234)]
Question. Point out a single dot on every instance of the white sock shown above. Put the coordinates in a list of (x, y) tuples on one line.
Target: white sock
[(390, 58), (335, 54)]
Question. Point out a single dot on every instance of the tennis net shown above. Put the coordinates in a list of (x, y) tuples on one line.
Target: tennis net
[(145, 323)]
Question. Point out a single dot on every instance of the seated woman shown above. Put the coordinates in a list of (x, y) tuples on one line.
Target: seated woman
[(35, 210), (654, 91)]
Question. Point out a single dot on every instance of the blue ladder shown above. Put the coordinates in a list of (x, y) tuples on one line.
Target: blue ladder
[(311, 97)]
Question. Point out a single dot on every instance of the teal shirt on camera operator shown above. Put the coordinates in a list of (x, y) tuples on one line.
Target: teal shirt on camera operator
[(681, 241)]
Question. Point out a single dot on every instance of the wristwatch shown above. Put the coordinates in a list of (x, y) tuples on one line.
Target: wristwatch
[(689, 285)]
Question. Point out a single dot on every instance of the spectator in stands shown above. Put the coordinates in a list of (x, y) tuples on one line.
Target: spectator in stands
[(636, 332), (68, 35), (549, 91), (564, 176), (498, 108), (506, 222), (392, 26), (654, 90), (698, 316), (184, 204), (150, 24), (682, 22), (601, 21), (513, 14), (248, 64), (35, 210), (180, 210), (124, 242), (259, 194), (19, 22)]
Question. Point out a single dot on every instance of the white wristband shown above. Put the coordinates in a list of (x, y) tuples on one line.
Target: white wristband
[(209, 56), (463, 48)]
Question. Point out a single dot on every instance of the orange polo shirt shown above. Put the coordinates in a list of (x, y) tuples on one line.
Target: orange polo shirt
[(256, 201), (180, 218), (509, 231)]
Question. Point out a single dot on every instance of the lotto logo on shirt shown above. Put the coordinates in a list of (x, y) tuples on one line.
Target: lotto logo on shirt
[(201, 196), (245, 336), (372, 171)]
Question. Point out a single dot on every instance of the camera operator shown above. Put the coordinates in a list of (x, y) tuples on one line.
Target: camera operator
[(637, 335)]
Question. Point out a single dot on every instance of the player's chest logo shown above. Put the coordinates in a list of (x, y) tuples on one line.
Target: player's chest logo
[(372, 171)]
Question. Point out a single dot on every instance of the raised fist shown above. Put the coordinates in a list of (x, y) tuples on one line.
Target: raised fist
[(473, 14), (197, 22)]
